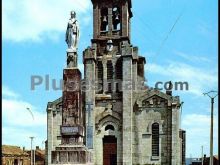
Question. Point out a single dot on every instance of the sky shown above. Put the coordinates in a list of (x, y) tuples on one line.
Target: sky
[(177, 38)]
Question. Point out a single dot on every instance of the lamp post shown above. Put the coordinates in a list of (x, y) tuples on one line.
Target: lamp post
[(31, 149), (34, 156), (31, 139), (190, 159), (202, 156), (211, 127), (29, 110)]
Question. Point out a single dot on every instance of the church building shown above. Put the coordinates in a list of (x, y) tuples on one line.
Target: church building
[(111, 117)]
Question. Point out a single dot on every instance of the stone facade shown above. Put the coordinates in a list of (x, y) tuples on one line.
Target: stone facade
[(54, 121), (125, 122)]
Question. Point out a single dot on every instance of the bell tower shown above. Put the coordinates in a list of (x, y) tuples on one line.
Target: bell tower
[(111, 19), (113, 69)]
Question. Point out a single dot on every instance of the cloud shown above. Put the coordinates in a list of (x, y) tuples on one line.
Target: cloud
[(149, 54), (15, 113), (18, 121), (192, 58), (14, 110), (35, 20), (197, 128), (207, 30), (6, 92), (199, 79)]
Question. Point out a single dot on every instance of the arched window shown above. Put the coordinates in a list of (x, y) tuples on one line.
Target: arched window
[(155, 139), (109, 127), (104, 19), (116, 18)]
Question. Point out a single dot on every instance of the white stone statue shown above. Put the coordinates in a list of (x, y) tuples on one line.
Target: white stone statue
[(72, 33)]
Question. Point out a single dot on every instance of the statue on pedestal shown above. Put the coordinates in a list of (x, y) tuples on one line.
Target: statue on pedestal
[(72, 32), (72, 38)]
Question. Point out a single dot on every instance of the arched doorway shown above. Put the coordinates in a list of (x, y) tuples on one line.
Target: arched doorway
[(109, 150)]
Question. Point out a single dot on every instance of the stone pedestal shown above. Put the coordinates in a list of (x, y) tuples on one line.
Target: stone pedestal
[(71, 154), (71, 58), (72, 149)]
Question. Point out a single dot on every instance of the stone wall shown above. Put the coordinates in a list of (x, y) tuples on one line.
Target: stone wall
[(156, 107), (54, 121)]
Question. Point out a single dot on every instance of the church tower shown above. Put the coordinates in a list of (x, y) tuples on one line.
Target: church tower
[(113, 70), (112, 118)]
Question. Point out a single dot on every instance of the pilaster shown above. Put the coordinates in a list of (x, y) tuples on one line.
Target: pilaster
[(90, 78), (127, 105), (175, 136)]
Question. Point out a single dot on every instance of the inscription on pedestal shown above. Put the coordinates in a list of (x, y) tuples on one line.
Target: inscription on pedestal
[(65, 130)]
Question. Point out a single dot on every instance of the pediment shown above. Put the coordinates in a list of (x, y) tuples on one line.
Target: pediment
[(156, 99), (107, 113), (105, 118)]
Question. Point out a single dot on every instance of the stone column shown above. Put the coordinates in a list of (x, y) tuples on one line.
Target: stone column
[(135, 75), (175, 136), (90, 78), (114, 76), (71, 110), (105, 82), (127, 105), (110, 21), (49, 133), (96, 20), (125, 22)]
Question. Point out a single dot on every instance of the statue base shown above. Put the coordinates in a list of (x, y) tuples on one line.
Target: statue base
[(71, 59), (72, 150), (71, 50), (72, 154)]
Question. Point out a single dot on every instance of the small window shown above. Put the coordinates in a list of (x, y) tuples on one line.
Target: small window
[(100, 70), (109, 70), (155, 139), (109, 127), (100, 77), (117, 87), (109, 88), (118, 69)]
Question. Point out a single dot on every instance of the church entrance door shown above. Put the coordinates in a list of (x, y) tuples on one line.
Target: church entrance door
[(109, 150)]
